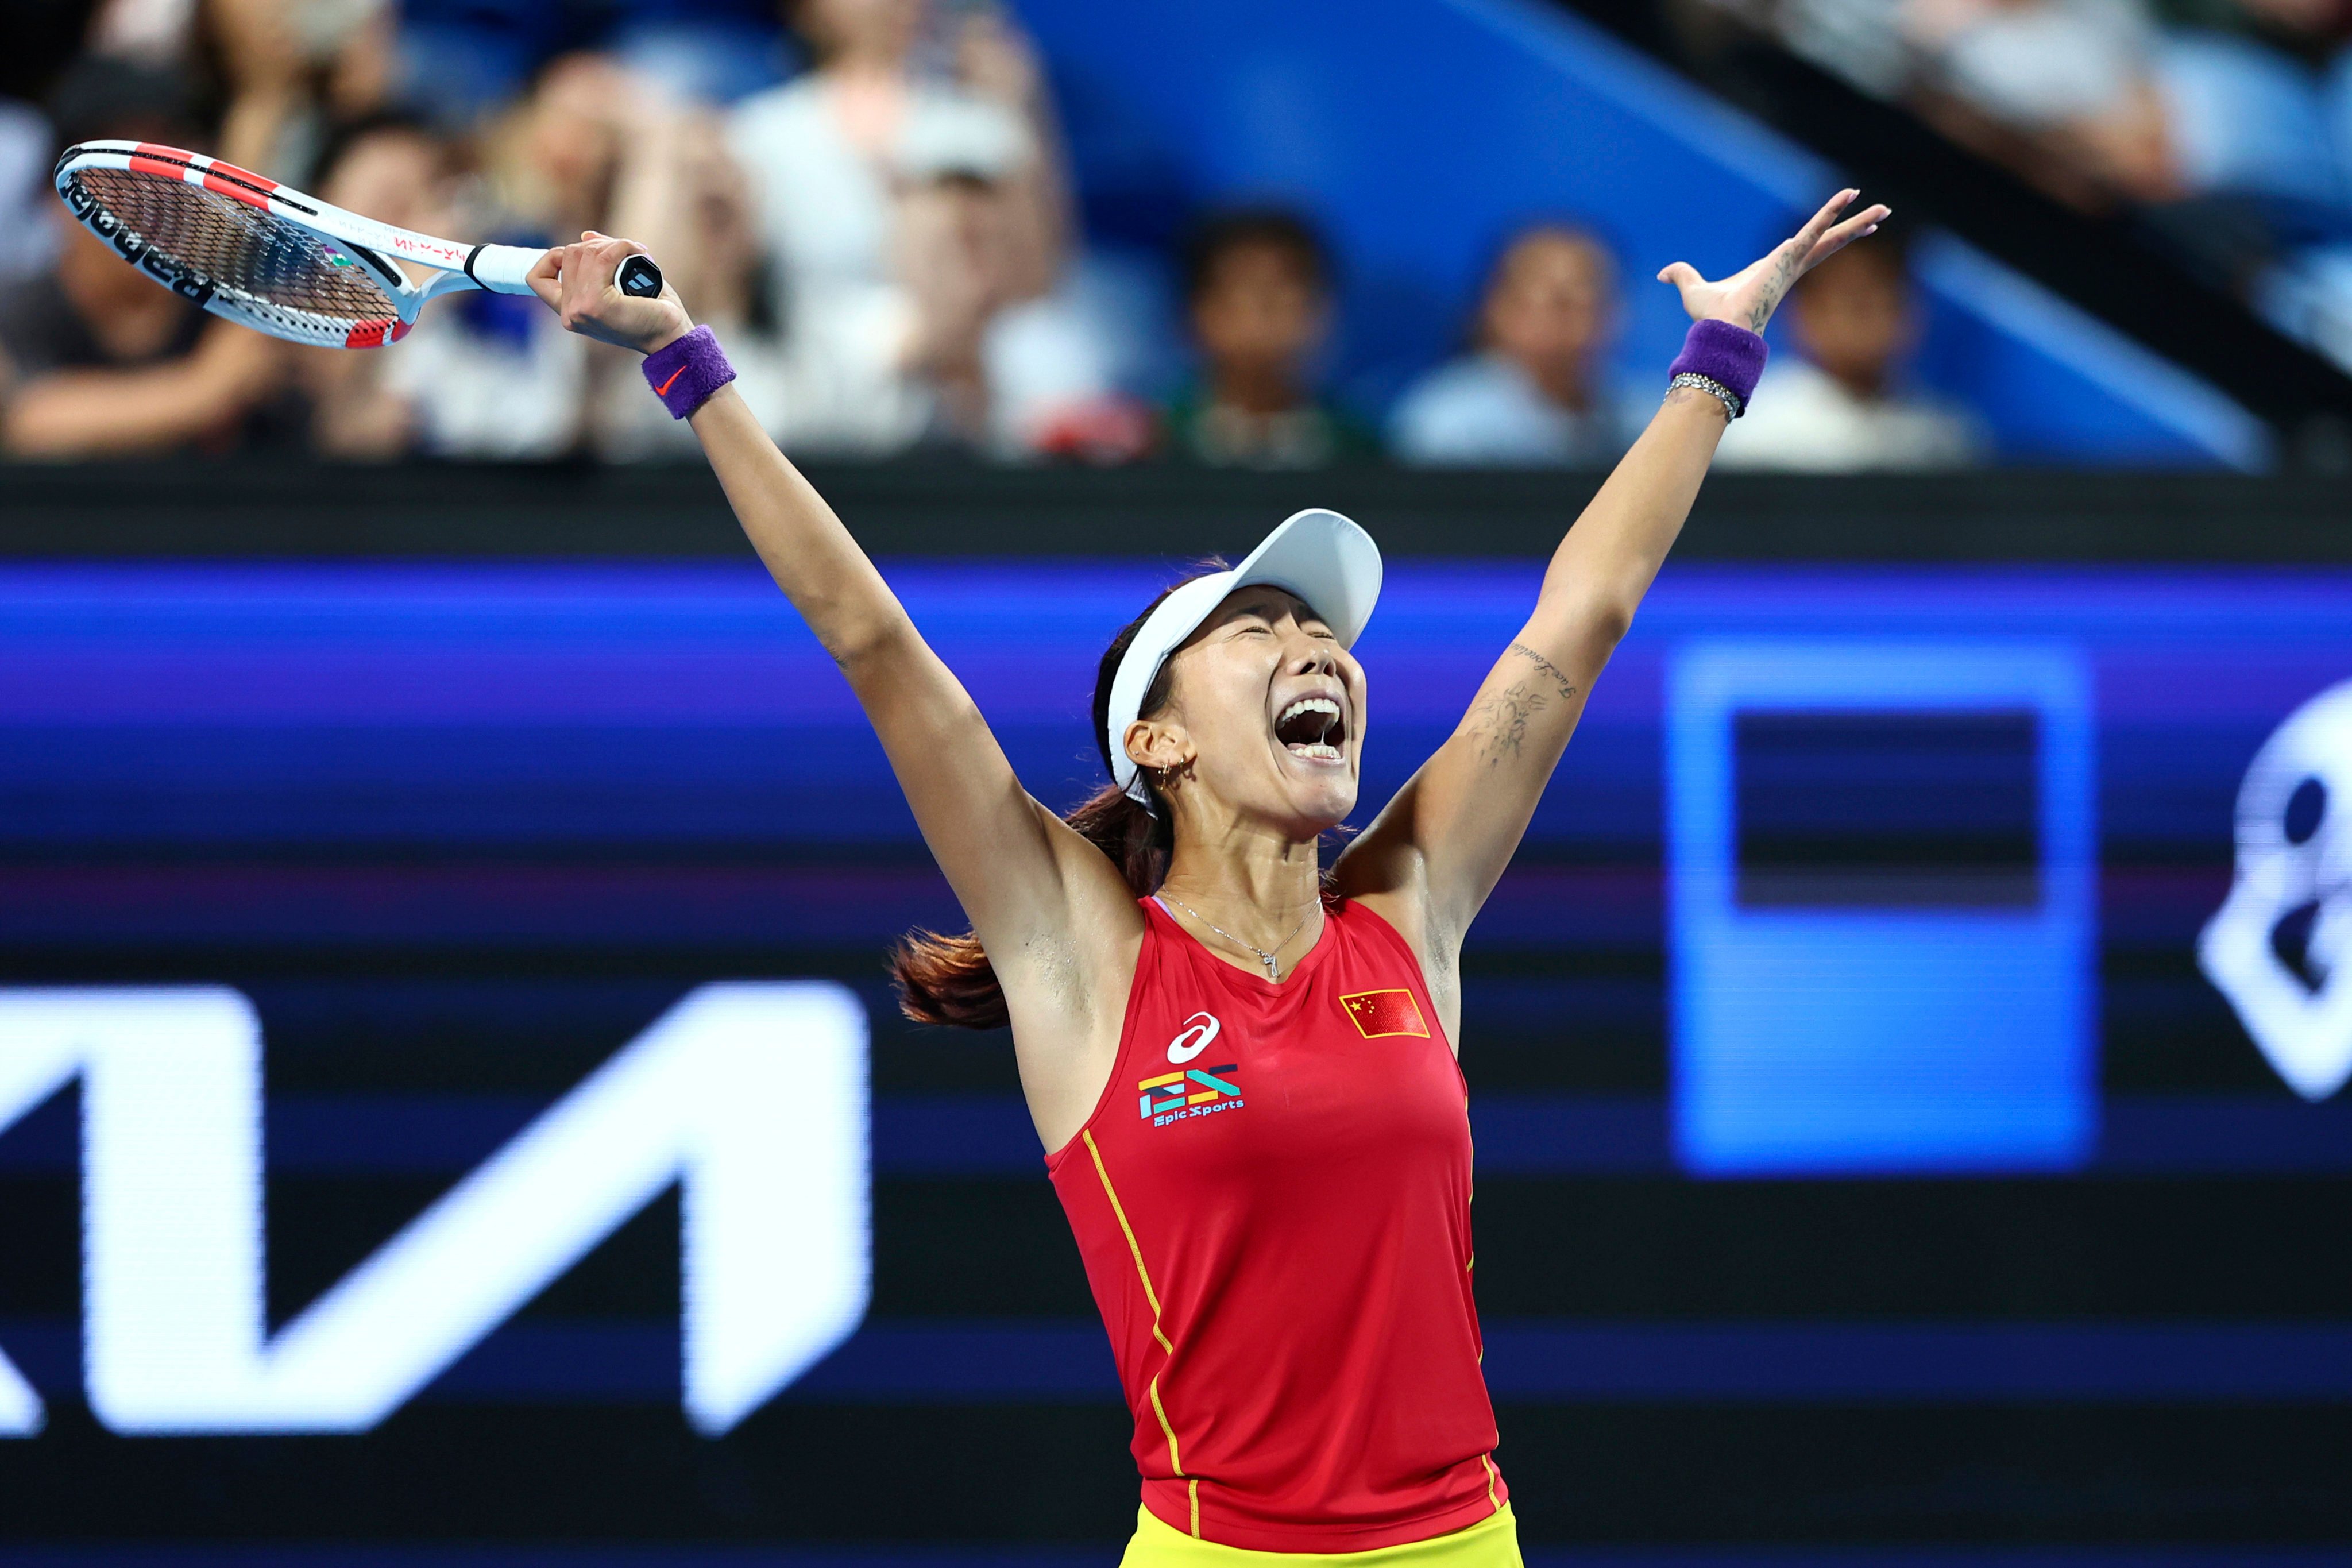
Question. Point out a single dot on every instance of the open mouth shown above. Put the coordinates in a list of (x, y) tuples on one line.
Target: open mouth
[(1314, 728)]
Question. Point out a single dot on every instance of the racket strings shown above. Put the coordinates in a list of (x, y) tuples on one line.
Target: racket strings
[(240, 248)]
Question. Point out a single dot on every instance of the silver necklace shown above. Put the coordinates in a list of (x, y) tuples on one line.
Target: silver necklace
[(1273, 963)]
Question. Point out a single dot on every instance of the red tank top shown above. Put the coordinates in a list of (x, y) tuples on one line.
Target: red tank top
[(1272, 1202)]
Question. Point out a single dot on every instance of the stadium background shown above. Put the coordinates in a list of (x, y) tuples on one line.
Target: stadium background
[(463, 774)]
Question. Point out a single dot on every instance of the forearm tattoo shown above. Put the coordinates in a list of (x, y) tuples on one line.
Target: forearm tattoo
[(1567, 687), (1501, 721)]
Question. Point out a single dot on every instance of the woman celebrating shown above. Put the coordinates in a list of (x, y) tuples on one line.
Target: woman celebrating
[(1243, 1067)]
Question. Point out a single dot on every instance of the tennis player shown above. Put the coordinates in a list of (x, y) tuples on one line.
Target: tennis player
[(1244, 1067)]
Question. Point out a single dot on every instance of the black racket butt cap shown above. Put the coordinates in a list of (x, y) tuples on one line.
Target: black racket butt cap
[(639, 278)]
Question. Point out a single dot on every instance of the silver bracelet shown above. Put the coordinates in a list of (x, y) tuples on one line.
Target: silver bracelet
[(1732, 405)]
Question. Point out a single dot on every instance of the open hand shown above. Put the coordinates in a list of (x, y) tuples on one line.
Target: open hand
[(1747, 298), (576, 281), (997, 61)]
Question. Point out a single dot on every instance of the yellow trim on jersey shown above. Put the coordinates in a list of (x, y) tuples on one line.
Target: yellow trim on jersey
[(1134, 1249), (1160, 1410), (1491, 1542)]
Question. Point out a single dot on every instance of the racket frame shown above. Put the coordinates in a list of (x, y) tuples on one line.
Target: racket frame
[(371, 245)]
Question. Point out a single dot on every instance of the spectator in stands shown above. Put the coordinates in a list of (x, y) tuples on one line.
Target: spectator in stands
[(553, 157), (2066, 91), (827, 154), (288, 67), (838, 385), (1010, 375), (1841, 408), (1534, 392), (2260, 91), (480, 376), (944, 354), (95, 359), (920, 223), (1257, 290)]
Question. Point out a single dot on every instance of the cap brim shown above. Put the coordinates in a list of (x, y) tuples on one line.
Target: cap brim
[(1326, 559)]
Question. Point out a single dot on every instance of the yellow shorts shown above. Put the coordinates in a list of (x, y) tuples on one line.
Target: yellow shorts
[(1491, 1542)]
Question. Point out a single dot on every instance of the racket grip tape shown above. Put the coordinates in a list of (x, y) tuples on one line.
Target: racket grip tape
[(503, 269)]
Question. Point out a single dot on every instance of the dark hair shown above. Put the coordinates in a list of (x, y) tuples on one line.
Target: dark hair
[(1272, 227), (100, 96), (948, 979), (345, 138)]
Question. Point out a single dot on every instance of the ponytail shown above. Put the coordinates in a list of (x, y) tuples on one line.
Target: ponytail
[(948, 979)]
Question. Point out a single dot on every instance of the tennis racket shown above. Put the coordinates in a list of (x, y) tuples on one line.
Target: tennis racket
[(268, 257)]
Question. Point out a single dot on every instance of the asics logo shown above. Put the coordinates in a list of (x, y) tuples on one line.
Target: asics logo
[(1194, 1037)]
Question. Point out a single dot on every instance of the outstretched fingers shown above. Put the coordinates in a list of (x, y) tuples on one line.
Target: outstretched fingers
[(1750, 296), (1860, 226), (1819, 224)]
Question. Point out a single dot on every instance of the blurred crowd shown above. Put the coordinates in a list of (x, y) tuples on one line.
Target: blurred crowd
[(2228, 121), (869, 200)]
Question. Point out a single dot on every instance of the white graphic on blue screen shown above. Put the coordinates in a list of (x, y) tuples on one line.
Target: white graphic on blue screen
[(751, 1098), (2280, 947)]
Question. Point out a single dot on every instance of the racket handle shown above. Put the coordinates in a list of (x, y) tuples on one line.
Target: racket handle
[(638, 278), (503, 269)]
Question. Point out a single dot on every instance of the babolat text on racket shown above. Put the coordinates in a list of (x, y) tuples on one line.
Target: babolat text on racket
[(270, 258)]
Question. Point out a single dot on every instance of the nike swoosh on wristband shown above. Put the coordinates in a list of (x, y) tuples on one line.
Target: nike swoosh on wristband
[(663, 390)]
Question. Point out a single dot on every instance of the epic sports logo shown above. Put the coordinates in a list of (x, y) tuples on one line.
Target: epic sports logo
[(1197, 1092)]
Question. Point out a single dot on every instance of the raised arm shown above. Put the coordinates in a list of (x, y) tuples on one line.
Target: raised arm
[(1049, 908), (1433, 855)]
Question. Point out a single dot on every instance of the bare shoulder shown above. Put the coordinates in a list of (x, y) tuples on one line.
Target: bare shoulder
[(1063, 956), (1066, 983)]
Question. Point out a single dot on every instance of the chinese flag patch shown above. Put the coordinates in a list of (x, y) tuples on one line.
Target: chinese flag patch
[(1379, 1013)]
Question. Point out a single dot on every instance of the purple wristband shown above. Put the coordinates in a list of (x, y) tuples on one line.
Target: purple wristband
[(685, 373), (1731, 356)]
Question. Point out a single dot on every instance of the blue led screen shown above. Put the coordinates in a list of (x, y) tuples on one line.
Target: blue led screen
[(1878, 893), (581, 756), (183, 749)]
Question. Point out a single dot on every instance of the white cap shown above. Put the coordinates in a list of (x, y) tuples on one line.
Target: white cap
[(1318, 555), (953, 134)]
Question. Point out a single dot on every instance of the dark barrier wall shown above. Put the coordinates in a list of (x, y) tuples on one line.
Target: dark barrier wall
[(1166, 513), (1866, 1151)]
